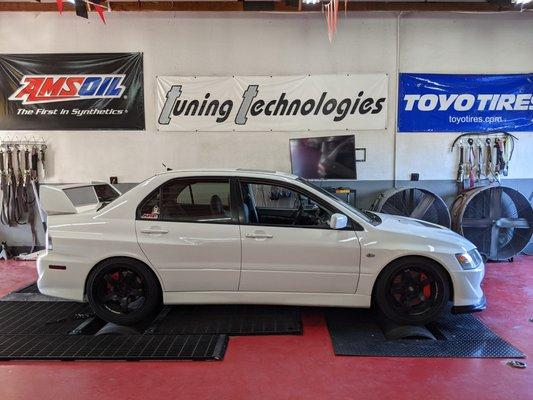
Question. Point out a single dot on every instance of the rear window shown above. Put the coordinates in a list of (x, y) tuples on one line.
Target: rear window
[(82, 196)]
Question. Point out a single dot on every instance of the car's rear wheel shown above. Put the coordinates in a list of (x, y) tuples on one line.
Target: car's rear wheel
[(123, 291), (412, 291)]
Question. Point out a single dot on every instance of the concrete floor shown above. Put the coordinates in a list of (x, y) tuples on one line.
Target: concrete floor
[(294, 367)]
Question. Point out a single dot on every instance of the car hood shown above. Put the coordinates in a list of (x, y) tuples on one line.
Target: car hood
[(423, 230)]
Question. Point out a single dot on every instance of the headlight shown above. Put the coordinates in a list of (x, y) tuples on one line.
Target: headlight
[(470, 260)]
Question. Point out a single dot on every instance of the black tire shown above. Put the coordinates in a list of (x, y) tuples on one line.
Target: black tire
[(123, 291), (412, 291)]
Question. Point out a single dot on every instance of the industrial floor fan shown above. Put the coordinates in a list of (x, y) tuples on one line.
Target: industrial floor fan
[(414, 203), (497, 219)]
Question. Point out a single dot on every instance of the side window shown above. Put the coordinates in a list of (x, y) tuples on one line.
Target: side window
[(185, 196), (150, 208), (276, 205), (189, 201), (273, 196)]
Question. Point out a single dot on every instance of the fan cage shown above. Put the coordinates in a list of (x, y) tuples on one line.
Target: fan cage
[(413, 202), (475, 205)]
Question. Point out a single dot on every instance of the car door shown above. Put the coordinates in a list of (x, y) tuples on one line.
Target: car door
[(188, 230), (288, 246)]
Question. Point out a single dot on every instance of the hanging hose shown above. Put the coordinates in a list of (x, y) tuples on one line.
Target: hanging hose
[(4, 187), (34, 162), (12, 211), (22, 207), (18, 185)]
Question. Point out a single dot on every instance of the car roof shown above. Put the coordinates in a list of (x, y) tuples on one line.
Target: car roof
[(230, 172)]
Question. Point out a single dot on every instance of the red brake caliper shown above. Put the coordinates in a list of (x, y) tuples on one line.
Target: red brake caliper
[(115, 277), (426, 290)]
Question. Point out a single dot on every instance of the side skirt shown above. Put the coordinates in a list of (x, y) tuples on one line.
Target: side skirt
[(276, 298)]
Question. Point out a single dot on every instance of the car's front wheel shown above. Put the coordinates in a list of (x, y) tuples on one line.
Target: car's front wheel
[(412, 291), (123, 291)]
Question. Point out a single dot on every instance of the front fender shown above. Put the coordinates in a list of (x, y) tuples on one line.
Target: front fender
[(379, 250)]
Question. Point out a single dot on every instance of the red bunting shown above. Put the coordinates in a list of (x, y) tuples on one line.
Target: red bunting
[(331, 9), (100, 10), (97, 7)]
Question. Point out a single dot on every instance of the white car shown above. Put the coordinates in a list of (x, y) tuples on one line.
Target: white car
[(252, 237)]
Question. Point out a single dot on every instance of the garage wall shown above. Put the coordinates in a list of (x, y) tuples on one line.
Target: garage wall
[(205, 44), (271, 44)]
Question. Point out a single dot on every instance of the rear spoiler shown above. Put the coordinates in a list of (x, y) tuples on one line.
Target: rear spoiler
[(76, 198)]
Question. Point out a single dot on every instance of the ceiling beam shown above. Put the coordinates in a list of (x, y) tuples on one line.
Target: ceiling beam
[(278, 6)]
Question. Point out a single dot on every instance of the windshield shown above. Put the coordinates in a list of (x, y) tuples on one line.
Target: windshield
[(367, 216)]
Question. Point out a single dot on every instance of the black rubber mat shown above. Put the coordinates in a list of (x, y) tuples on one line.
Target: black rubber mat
[(356, 333), (228, 319), (29, 293), (41, 317), (135, 347), (64, 331), (31, 288)]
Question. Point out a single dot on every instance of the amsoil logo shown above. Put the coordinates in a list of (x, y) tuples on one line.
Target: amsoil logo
[(37, 89)]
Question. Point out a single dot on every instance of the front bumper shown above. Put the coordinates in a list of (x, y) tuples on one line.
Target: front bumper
[(468, 295), (480, 306)]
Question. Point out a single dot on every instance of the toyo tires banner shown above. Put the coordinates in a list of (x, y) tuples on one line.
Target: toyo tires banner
[(465, 103), (279, 103), (71, 91)]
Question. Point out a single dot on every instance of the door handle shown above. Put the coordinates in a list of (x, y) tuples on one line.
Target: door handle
[(258, 236), (154, 231)]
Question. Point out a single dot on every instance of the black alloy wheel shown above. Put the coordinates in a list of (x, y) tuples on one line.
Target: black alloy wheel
[(412, 291), (123, 292)]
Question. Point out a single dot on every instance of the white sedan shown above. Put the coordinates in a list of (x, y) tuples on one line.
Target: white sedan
[(252, 237)]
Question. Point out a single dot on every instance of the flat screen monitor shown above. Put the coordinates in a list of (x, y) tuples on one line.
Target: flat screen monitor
[(330, 157)]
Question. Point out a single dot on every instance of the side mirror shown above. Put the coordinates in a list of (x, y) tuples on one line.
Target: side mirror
[(338, 221)]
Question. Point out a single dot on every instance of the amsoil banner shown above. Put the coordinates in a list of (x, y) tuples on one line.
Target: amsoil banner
[(71, 91), (465, 103), (279, 103)]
